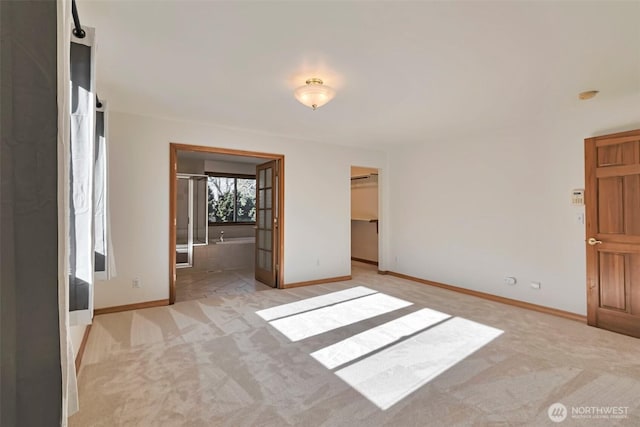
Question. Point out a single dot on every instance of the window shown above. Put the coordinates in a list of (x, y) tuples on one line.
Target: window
[(232, 199)]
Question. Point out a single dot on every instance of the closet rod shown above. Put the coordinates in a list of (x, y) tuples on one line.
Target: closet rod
[(353, 178)]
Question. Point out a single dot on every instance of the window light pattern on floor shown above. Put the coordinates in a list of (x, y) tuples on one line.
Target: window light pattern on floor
[(314, 303), (376, 338), (390, 361), (387, 377), (325, 319)]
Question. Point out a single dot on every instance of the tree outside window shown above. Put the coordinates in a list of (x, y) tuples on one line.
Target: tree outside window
[(232, 199)]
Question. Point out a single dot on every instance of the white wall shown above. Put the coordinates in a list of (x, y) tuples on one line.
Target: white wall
[(364, 200), (470, 210), (76, 333), (364, 240), (317, 201)]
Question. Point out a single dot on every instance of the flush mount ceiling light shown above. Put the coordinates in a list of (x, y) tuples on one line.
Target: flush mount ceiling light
[(314, 94), (587, 95)]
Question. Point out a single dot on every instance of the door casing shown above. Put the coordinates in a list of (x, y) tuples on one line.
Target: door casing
[(173, 171)]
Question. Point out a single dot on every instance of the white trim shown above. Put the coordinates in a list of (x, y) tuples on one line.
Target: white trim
[(67, 359), (87, 40), (109, 267), (88, 246), (81, 317)]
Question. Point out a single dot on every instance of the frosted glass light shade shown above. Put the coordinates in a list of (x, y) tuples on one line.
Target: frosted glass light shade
[(314, 94)]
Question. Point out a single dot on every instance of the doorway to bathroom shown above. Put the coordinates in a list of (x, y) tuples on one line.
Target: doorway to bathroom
[(226, 223), (364, 220)]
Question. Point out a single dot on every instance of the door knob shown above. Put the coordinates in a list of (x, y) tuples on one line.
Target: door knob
[(592, 241)]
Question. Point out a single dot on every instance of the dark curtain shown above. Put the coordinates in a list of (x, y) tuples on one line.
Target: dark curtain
[(30, 382)]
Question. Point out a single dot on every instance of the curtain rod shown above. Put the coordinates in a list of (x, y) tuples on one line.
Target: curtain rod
[(77, 31), (80, 33)]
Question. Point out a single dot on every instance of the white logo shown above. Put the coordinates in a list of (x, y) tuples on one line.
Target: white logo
[(557, 412)]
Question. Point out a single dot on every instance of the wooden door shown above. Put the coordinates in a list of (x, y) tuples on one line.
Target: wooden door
[(612, 168), (266, 263)]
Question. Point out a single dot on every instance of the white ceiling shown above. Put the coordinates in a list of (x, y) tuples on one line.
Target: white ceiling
[(404, 71)]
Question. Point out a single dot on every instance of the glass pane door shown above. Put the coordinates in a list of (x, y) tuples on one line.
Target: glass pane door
[(266, 223), (200, 211), (184, 231)]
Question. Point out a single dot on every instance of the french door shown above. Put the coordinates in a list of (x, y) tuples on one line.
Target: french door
[(191, 217), (267, 217)]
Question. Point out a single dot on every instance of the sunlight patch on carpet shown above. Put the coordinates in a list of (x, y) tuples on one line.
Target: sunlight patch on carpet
[(387, 377), (314, 303), (375, 338), (315, 322), (387, 362)]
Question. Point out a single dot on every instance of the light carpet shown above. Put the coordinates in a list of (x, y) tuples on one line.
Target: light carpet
[(438, 358)]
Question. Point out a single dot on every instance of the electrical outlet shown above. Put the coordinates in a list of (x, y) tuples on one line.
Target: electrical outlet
[(318, 262), (135, 283), (535, 285)]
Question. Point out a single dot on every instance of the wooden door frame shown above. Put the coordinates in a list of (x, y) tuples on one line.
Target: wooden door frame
[(173, 171)]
